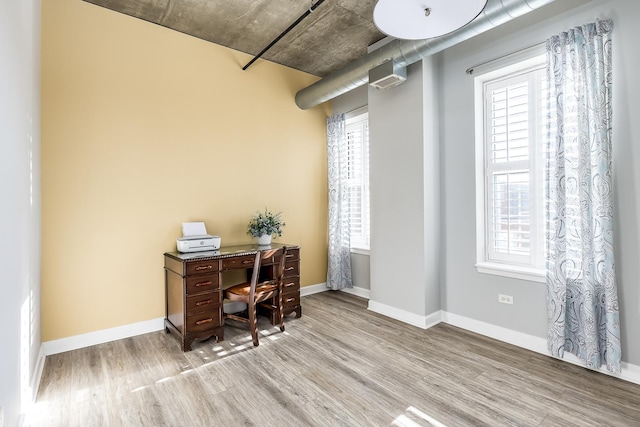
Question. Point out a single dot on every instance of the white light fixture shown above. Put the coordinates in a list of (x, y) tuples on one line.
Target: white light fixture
[(424, 19)]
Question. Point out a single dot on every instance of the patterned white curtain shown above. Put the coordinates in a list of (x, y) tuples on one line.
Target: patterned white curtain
[(583, 314), (339, 265)]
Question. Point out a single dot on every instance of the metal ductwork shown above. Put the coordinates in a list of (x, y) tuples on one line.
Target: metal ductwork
[(387, 75), (406, 52)]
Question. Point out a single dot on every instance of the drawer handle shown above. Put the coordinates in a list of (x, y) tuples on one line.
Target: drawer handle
[(205, 302), (204, 284), (289, 256), (247, 261), (286, 285), (204, 267), (290, 299), (203, 321), (289, 268)]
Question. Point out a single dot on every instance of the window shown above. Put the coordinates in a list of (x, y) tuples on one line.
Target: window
[(357, 128), (510, 129)]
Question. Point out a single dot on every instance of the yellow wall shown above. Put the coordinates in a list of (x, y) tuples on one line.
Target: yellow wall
[(144, 128)]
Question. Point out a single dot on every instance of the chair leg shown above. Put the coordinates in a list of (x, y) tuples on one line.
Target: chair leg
[(280, 312), (253, 324)]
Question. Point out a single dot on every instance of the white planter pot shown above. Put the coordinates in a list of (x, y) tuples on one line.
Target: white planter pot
[(264, 240)]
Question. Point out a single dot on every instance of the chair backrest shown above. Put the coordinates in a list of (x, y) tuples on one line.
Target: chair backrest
[(279, 254)]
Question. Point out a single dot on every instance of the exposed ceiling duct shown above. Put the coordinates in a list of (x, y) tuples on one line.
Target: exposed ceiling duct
[(407, 52)]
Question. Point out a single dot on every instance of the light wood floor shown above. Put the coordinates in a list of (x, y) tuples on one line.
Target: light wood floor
[(338, 365)]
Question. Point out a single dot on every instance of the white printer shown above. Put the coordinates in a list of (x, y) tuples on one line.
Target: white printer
[(195, 238)]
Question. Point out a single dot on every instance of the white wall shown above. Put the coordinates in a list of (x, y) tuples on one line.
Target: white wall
[(360, 271), (404, 185), (404, 195), (20, 199), (431, 182), (469, 293)]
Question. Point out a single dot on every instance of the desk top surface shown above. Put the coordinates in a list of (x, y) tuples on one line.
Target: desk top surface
[(226, 252)]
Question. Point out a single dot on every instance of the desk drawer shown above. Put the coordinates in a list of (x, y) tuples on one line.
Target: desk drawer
[(290, 286), (245, 261), (203, 302), (290, 300), (202, 267), (292, 269), (203, 321), (292, 255), (203, 283)]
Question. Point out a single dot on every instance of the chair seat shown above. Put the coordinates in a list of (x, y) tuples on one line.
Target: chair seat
[(243, 289)]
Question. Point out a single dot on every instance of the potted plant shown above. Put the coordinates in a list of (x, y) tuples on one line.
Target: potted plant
[(265, 225)]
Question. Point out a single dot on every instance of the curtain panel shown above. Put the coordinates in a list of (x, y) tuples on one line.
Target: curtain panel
[(339, 259), (583, 312)]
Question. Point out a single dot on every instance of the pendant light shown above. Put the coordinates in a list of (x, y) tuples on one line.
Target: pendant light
[(424, 19)]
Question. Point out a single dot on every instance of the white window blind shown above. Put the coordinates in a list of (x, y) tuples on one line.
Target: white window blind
[(358, 179), (513, 120)]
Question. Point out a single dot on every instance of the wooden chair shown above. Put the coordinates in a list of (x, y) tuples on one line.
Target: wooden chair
[(266, 293)]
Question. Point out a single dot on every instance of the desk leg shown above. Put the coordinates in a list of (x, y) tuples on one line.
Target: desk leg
[(188, 339)]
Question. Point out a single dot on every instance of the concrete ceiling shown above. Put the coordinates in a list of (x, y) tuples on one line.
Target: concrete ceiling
[(336, 33)]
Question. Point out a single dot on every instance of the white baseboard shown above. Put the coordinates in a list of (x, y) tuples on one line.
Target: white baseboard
[(424, 322), (629, 373), (34, 386), (126, 331), (358, 291), (322, 287), (37, 374), (313, 289), (102, 336), (530, 342)]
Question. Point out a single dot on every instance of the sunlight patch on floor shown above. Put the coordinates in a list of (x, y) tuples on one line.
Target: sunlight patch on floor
[(413, 417), (237, 345)]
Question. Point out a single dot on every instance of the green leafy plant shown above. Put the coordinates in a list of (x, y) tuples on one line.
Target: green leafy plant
[(265, 223)]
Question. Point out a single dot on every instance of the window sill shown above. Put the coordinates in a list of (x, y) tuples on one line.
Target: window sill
[(359, 251), (516, 272)]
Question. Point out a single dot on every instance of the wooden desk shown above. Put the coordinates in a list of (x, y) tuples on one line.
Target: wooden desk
[(193, 294)]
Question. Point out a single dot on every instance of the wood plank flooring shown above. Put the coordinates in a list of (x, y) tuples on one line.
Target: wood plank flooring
[(338, 365)]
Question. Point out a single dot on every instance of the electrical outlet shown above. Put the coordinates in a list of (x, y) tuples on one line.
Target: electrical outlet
[(505, 299)]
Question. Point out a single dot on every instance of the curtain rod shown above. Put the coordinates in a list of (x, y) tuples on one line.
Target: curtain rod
[(517, 52)]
